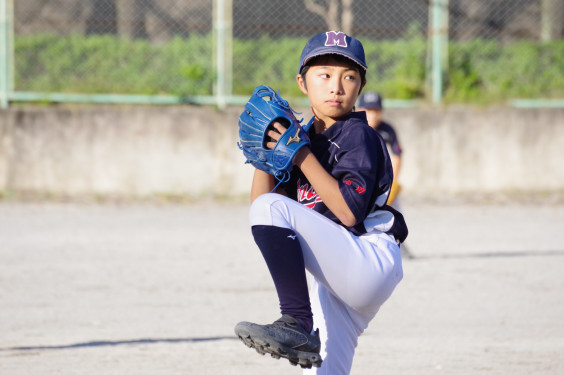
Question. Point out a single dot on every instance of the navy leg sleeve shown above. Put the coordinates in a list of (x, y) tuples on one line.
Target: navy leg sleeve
[(282, 252)]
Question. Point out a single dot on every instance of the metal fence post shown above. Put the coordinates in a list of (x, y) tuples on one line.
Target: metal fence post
[(439, 46), (223, 26), (6, 51), (549, 20)]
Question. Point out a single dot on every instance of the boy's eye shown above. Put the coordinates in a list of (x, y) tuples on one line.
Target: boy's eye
[(324, 75)]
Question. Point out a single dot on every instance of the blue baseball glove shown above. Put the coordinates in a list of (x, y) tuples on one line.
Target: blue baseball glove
[(263, 108)]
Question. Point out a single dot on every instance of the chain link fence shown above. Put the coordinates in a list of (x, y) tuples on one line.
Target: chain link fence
[(216, 51), (502, 49)]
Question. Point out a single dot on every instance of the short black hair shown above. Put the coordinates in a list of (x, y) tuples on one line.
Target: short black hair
[(340, 59)]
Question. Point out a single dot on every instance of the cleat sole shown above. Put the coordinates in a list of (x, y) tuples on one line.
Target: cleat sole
[(306, 360)]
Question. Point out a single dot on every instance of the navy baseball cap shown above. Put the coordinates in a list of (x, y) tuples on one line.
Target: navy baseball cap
[(370, 100), (333, 43)]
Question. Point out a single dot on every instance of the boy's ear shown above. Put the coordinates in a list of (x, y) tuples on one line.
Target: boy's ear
[(361, 87), (301, 83)]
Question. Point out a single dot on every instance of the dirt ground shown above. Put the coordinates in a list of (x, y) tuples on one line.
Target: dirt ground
[(156, 288)]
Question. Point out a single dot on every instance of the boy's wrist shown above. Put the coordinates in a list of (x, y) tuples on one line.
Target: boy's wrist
[(301, 156)]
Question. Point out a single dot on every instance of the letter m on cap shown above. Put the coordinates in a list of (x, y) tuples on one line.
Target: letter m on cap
[(336, 38)]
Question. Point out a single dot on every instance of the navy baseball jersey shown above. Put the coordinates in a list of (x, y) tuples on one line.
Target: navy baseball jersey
[(364, 173)]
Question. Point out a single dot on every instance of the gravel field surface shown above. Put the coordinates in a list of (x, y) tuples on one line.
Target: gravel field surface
[(156, 288)]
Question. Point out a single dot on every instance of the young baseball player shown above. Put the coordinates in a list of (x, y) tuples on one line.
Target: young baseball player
[(330, 218), (371, 103)]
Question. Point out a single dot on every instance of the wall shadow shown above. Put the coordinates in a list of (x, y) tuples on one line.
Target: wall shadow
[(103, 343)]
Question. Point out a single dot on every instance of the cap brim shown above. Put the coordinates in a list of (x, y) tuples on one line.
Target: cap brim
[(324, 51)]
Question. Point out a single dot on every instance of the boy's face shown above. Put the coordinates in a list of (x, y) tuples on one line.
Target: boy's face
[(332, 87)]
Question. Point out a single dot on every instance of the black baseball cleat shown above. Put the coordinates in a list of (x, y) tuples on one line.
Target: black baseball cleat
[(284, 338)]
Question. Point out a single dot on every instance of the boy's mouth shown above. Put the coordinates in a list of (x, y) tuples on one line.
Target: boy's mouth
[(333, 102)]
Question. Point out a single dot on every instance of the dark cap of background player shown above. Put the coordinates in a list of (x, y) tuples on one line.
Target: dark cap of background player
[(333, 43), (370, 100)]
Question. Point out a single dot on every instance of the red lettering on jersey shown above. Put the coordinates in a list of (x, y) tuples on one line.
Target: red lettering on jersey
[(307, 196), (358, 189)]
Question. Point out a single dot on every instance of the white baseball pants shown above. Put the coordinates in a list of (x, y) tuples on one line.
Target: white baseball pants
[(352, 276)]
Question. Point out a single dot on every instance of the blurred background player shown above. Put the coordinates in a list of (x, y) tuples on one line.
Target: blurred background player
[(371, 103)]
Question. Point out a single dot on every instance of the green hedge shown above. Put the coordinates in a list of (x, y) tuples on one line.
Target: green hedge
[(106, 64), (483, 71), (479, 70)]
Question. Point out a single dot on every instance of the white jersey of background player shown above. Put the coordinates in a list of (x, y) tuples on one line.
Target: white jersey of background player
[(330, 219)]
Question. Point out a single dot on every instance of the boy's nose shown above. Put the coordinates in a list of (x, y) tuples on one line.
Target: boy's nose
[(337, 87)]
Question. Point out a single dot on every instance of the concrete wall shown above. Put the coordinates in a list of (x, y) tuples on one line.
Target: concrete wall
[(121, 150), (140, 151), (467, 150)]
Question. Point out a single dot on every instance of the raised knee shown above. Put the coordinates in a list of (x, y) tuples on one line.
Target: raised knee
[(262, 202), (261, 212)]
